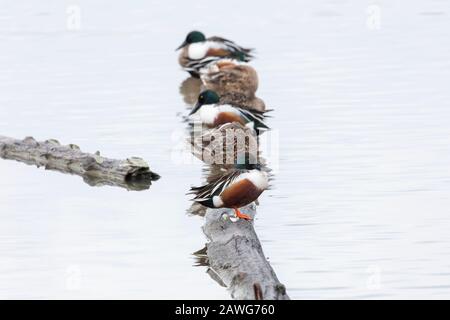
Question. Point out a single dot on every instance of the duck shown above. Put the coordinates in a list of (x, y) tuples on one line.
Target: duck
[(213, 146), (235, 189), (230, 75), (234, 81), (213, 114), (243, 101), (197, 52)]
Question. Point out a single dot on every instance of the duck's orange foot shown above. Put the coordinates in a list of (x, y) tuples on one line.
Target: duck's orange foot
[(241, 215)]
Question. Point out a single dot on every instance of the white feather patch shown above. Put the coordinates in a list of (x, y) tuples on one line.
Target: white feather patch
[(227, 108), (198, 50), (217, 201), (208, 113), (250, 125), (257, 177)]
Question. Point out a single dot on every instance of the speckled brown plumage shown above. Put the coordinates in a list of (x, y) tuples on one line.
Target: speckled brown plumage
[(236, 83)]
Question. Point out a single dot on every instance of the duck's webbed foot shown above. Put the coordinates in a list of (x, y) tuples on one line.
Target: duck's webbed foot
[(241, 215)]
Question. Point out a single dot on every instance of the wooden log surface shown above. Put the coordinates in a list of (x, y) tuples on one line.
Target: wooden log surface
[(236, 258), (96, 170)]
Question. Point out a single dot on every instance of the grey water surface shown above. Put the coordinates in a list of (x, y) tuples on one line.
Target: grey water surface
[(360, 202)]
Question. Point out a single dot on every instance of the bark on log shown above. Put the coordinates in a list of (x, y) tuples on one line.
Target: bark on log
[(236, 256), (132, 174)]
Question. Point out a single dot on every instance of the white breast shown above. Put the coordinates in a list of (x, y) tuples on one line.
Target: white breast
[(199, 50), (227, 108), (208, 114)]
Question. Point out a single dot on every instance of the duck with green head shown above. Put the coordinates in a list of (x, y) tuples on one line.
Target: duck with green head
[(236, 188), (197, 51), (212, 114)]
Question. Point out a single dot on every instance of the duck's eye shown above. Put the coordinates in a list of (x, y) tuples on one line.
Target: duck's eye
[(201, 97)]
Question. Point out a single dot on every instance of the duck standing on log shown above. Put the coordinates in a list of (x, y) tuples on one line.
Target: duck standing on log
[(197, 52), (235, 189)]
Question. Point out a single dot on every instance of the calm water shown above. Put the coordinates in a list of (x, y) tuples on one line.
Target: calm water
[(361, 197)]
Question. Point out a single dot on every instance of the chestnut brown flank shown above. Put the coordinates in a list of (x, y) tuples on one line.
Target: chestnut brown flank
[(227, 117), (217, 52), (240, 194)]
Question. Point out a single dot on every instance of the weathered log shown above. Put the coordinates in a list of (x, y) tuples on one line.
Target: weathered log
[(132, 173), (235, 255)]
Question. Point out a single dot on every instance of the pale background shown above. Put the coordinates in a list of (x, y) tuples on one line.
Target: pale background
[(360, 204)]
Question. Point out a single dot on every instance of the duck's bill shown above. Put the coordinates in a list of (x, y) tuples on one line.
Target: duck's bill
[(195, 109), (181, 46)]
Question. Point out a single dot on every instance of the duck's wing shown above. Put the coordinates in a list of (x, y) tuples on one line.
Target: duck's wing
[(233, 46), (237, 52), (196, 65), (216, 187), (257, 117)]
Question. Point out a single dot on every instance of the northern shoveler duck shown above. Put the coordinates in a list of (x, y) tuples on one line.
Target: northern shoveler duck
[(198, 51), (213, 114), (191, 87), (235, 82), (221, 146), (235, 189), (235, 98), (230, 75)]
